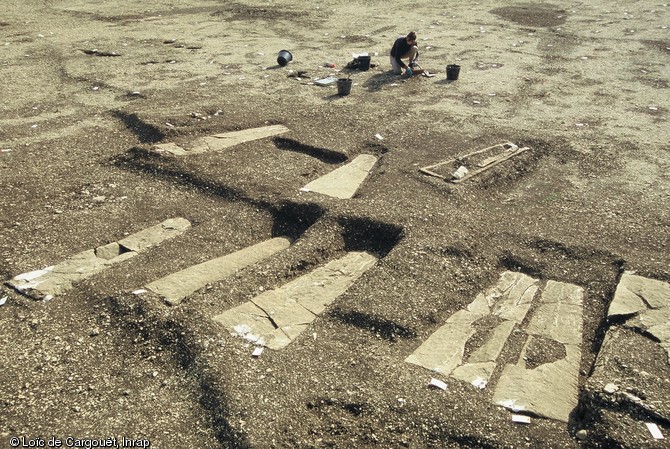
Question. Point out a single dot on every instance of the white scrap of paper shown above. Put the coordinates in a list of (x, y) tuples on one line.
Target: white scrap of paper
[(3, 300), (521, 419), (438, 383), (479, 383), (379, 136), (139, 291), (655, 431), (257, 352)]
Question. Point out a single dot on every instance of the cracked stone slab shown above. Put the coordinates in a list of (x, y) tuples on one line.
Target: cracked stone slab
[(343, 182), (648, 303), (550, 390), (221, 141), (177, 286), (277, 317), (444, 350), (636, 293), (60, 278), (559, 315)]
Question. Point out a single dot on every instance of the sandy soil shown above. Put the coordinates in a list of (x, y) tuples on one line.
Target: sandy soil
[(88, 88)]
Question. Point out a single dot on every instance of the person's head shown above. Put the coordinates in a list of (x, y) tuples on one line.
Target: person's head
[(411, 38)]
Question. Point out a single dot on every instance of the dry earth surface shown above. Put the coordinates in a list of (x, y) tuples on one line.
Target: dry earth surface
[(90, 86)]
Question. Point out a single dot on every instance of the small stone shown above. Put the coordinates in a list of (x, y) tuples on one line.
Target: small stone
[(94, 332), (582, 435), (611, 388)]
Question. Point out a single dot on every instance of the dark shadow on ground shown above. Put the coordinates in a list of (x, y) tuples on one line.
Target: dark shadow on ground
[(175, 337), (377, 82), (322, 154), (376, 237), (445, 81), (386, 329), (290, 219), (145, 132)]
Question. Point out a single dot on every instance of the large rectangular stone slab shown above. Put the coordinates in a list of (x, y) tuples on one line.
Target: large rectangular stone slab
[(289, 309), (551, 389), (58, 279), (647, 301), (177, 286), (343, 182), (443, 351), (222, 141)]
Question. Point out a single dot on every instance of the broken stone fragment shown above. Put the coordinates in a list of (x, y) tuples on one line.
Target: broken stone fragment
[(460, 173), (611, 388)]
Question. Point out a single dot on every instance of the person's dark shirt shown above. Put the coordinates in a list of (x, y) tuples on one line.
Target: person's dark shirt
[(400, 47)]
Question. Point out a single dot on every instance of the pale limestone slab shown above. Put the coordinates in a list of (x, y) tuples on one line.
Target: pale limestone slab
[(60, 278), (155, 234), (551, 390), (510, 298), (477, 374), (443, 350), (283, 311), (649, 301), (288, 310), (514, 296), (634, 293), (222, 141), (242, 319), (343, 182), (177, 286), (559, 315)]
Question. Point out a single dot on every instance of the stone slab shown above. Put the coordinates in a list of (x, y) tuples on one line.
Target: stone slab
[(513, 296), (222, 141), (60, 278), (559, 315), (154, 235), (636, 293), (343, 182), (443, 351), (477, 374), (510, 299), (177, 286), (652, 314), (551, 389), (288, 310)]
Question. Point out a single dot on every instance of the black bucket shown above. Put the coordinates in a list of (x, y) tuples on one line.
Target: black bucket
[(284, 57), (452, 71), (344, 86), (364, 62)]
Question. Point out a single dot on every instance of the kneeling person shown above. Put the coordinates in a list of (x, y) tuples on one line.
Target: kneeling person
[(404, 48)]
